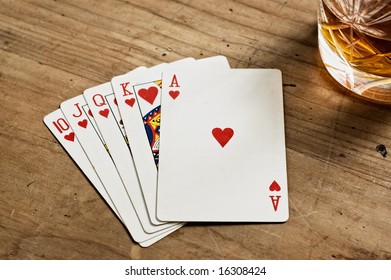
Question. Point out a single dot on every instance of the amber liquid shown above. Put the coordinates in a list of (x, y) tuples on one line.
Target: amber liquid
[(362, 39), (362, 50)]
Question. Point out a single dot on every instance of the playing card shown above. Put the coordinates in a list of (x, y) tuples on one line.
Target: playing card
[(103, 105), (138, 94), (222, 147), (60, 128), (138, 98), (76, 110)]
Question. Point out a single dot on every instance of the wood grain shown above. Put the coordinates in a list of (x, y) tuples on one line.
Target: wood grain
[(50, 51)]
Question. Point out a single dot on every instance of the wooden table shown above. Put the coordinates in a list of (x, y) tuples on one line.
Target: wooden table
[(50, 51)]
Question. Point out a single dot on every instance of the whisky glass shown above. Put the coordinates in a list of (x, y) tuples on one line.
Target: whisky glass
[(355, 45)]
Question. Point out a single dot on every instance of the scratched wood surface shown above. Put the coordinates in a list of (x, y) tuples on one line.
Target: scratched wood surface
[(50, 51)]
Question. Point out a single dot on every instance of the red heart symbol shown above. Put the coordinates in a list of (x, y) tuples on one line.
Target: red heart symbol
[(274, 187), (115, 101), (149, 94), (222, 135), (83, 123), (70, 136), (130, 101), (104, 112), (174, 93), (90, 113)]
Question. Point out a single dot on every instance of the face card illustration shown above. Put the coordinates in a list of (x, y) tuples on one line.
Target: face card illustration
[(237, 170), (60, 128), (104, 167), (135, 131), (147, 91), (100, 100), (147, 94), (142, 123)]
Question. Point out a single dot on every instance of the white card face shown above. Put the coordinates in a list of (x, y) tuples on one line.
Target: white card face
[(102, 103), (60, 128), (127, 101), (222, 148), (142, 122), (75, 111)]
